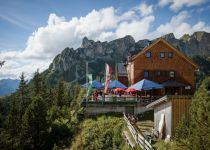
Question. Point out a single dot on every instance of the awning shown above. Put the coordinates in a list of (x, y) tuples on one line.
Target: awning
[(146, 85), (116, 84), (172, 83), (95, 84)]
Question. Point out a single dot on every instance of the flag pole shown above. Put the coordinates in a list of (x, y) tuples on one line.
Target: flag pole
[(86, 72), (86, 78), (104, 83), (115, 68)]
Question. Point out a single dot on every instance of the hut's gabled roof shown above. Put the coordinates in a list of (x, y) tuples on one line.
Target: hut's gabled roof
[(165, 42)]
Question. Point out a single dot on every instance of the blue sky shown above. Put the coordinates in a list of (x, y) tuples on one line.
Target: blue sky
[(37, 30), (19, 18)]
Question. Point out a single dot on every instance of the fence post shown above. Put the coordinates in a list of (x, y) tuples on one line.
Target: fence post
[(137, 137)]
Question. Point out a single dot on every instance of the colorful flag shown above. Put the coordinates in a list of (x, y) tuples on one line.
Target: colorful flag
[(89, 84), (108, 77)]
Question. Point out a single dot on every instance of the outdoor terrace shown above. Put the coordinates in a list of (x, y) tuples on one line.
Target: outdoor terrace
[(123, 100)]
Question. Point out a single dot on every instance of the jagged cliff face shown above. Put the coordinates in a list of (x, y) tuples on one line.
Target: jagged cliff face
[(196, 44), (70, 64)]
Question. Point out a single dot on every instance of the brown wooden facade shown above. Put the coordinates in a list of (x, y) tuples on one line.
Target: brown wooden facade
[(180, 109), (174, 109), (161, 62), (123, 80)]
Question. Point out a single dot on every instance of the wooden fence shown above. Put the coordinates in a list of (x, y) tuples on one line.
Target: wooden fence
[(139, 138)]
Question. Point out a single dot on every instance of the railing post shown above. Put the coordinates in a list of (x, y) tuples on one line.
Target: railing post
[(144, 143), (136, 136)]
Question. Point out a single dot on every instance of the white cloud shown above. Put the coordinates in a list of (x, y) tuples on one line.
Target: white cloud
[(137, 28), (105, 24), (47, 41), (164, 2), (176, 5), (145, 9), (16, 64), (179, 26)]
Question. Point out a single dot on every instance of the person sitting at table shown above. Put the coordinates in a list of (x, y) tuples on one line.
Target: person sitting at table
[(92, 97), (99, 96)]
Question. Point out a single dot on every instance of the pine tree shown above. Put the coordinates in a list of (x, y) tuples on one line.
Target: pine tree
[(46, 93), (61, 93), (11, 138), (194, 133), (13, 117), (34, 126), (200, 118), (182, 133), (41, 88), (53, 96), (1, 116), (22, 95), (37, 81)]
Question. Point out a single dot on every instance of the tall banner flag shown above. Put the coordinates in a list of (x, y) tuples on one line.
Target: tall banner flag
[(108, 77), (89, 84)]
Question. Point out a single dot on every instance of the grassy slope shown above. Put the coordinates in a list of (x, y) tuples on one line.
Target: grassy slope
[(100, 133)]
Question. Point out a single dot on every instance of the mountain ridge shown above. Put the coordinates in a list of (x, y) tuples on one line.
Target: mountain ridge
[(70, 63), (8, 86)]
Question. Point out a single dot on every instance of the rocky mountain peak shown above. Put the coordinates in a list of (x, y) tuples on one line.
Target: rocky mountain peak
[(185, 37), (71, 63), (126, 39), (200, 35), (86, 43), (169, 36), (129, 38), (143, 43)]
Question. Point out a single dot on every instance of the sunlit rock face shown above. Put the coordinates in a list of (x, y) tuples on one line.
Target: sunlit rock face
[(70, 63)]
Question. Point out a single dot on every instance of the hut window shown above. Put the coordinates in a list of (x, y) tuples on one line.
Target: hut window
[(164, 73), (162, 54), (172, 74), (170, 55), (148, 54), (158, 73), (146, 74)]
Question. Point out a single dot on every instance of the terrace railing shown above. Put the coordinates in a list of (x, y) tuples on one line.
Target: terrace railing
[(138, 137), (123, 99)]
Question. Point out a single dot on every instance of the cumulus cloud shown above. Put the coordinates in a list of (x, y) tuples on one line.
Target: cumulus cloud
[(137, 28), (105, 24), (59, 33), (179, 26), (16, 64), (145, 9), (176, 5)]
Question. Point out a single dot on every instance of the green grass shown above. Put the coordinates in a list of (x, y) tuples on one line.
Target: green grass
[(100, 132)]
